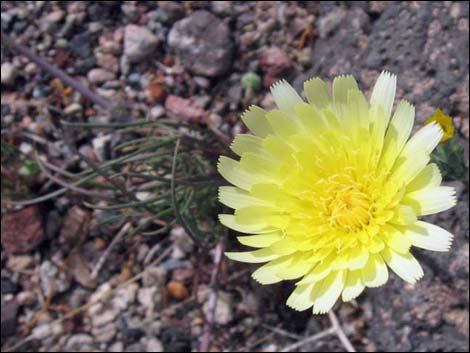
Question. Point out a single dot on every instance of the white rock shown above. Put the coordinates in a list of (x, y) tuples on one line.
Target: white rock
[(145, 297), (153, 345), (8, 74), (46, 330), (116, 347), (223, 311), (100, 76), (139, 42)]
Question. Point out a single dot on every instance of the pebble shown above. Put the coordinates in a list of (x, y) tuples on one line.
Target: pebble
[(8, 318), (157, 111), (9, 74), (49, 23), (139, 43), (108, 62), (223, 311), (53, 279), (153, 345), (203, 44), (47, 330), (100, 76), (183, 109), (104, 333), (101, 146), (274, 62), (78, 342)]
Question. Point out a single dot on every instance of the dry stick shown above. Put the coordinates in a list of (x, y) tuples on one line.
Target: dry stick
[(334, 329), (310, 339), (212, 302), (106, 253), (84, 307), (339, 332)]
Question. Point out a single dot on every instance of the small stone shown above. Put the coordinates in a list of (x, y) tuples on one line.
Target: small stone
[(8, 74), (101, 145), (203, 44), (274, 61), (183, 109), (172, 10), (26, 298), (8, 318), (329, 23), (22, 231), (224, 310), (156, 92), (49, 23), (105, 317), (157, 111), (78, 342), (153, 345), (53, 279), (181, 239), (73, 108), (145, 297), (177, 290), (104, 333), (116, 347), (47, 330), (139, 43), (108, 62), (154, 276), (100, 76), (8, 286)]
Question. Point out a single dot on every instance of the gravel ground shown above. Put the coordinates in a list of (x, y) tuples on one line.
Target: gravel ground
[(186, 60)]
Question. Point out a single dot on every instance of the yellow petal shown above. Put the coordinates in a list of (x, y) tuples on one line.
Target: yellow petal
[(375, 273), (260, 240), (396, 239), (404, 265), (429, 236), (358, 257), (282, 124), (384, 92), (429, 177), (237, 198), (329, 292), (317, 92), (285, 96), (233, 172), (431, 200), (297, 268), (231, 222), (398, 132), (247, 143), (267, 274), (353, 286), (341, 86), (300, 298), (256, 256), (424, 141), (254, 118), (403, 215)]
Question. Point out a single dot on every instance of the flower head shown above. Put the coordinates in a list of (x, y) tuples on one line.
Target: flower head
[(445, 122), (329, 191)]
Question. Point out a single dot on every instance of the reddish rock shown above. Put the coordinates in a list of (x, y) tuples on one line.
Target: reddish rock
[(274, 62), (22, 231), (183, 109), (156, 92), (108, 62)]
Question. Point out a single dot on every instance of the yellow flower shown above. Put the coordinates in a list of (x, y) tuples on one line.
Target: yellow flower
[(330, 191), (445, 122)]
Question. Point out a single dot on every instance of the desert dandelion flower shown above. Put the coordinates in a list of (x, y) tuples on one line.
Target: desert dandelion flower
[(329, 191)]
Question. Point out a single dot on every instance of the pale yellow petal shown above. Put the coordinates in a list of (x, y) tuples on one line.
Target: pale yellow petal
[(431, 200), (424, 141), (247, 143), (429, 177), (233, 172), (341, 86), (403, 215), (353, 286), (237, 198), (297, 268), (384, 92), (329, 292), (267, 274), (404, 265), (282, 123), (396, 239), (358, 258), (260, 240), (375, 273), (285, 96), (300, 298), (317, 92), (397, 134), (429, 236), (319, 272), (231, 222), (256, 256), (254, 118)]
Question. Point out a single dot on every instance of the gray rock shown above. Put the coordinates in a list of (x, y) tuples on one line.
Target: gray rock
[(78, 343), (203, 44), (139, 43), (153, 345), (8, 322), (9, 74)]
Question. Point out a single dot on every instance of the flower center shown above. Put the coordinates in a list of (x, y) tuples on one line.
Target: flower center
[(348, 206)]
